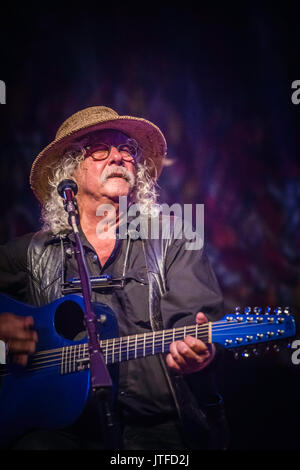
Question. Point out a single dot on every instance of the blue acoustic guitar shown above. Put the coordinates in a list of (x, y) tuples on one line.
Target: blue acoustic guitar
[(52, 390)]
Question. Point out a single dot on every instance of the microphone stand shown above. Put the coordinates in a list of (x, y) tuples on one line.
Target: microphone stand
[(100, 378)]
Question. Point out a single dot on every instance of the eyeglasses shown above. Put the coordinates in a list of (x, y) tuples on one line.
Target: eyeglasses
[(101, 151)]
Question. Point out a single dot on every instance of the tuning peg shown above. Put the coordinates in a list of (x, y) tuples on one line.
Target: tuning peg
[(237, 310), (247, 310), (287, 310), (257, 310), (267, 310), (236, 355), (278, 310)]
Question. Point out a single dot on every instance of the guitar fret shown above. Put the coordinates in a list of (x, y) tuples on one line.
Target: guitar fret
[(163, 341), (77, 353), (135, 347), (62, 361), (78, 350), (153, 342), (70, 359), (67, 359), (120, 350), (81, 351), (113, 350), (74, 358), (106, 351), (127, 355)]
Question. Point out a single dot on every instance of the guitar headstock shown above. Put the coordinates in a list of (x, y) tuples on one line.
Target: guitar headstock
[(253, 326)]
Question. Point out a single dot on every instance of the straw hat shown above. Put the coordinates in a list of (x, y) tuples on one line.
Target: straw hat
[(149, 137)]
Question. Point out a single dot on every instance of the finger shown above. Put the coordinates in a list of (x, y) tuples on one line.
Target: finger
[(20, 359), (28, 321), (176, 354), (201, 318), (24, 335), (21, 346), (184, 367), (15, 327), (196, 345), (172, 363), (191, 358), (185, 357)]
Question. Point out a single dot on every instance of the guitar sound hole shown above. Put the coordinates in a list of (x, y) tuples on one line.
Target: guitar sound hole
[(68, 320)]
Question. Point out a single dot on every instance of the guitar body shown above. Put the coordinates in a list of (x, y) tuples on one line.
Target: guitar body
[(44, 397)]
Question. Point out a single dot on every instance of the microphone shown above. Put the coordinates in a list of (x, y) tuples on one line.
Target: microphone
[(67, 190), (67, 185)]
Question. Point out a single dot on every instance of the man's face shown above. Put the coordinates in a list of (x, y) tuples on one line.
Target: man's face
[(109, 177)]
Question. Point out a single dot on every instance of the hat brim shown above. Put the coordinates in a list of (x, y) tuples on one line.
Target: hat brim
[(149, 137)]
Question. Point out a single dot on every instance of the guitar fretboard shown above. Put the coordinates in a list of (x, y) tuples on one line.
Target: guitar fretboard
[(116, 350)]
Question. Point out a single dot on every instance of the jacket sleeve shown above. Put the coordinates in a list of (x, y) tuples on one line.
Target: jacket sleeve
[(13, 267), (192, 287)]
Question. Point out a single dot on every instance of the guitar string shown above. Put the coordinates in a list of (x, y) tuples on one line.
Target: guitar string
[(110, 353), (140, 336), (69, 367), (189, 329), (116, 348), (140, 341), (215, 325), (119, 349), (130, 341), (115, 356)]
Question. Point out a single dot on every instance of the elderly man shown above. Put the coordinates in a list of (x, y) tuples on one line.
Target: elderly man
[(168, 401)]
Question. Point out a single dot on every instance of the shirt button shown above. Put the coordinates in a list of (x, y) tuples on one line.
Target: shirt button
[(95, 258)]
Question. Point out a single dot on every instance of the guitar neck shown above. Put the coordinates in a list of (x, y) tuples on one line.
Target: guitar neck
[(121, 349), (231, 332)]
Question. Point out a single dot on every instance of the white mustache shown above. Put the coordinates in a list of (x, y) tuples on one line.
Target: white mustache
[(109, 172)]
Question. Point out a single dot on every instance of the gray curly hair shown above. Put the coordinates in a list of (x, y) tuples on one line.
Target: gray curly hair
[(54, 216)]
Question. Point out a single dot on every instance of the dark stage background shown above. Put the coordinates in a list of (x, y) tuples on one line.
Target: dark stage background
[(217, 81)]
